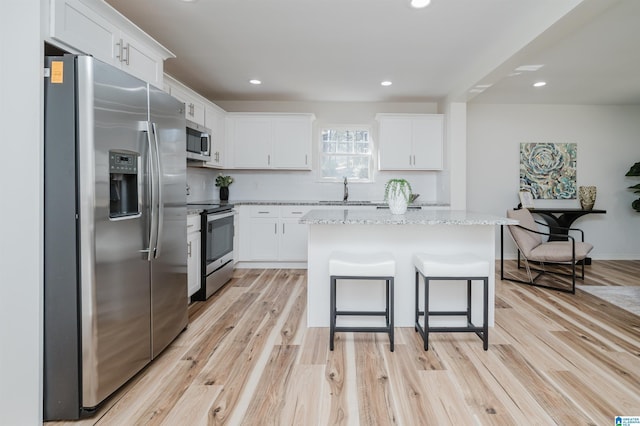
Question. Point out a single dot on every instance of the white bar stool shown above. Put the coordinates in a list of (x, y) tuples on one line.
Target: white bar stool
[(362, 266), (458, 267)]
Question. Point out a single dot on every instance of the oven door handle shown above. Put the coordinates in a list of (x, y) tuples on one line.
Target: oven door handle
[(214, 216)]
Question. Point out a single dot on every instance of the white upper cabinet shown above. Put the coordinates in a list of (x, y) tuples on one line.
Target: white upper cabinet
[(214, 119), (270, 141), (193, 106), (93, 27), (250, 139), (205, 113), (410, 141), (292, 142)]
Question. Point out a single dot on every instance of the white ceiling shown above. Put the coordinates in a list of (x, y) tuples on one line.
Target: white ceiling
[(340, 50)]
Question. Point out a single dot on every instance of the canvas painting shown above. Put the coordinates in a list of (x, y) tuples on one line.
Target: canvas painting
[(548, 170)]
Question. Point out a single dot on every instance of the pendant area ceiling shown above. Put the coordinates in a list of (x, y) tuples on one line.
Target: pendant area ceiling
[(341, 50)]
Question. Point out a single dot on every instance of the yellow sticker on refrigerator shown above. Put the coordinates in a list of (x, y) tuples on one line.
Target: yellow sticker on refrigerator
[(57, 72)]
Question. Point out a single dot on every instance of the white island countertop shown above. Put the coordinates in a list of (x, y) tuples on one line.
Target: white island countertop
[(377, 230), (411, 217)]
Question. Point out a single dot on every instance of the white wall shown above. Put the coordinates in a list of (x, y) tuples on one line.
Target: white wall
[(608, 139), (21, 213), (305, 185)]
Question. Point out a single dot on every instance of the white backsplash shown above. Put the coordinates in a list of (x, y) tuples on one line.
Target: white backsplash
[(302, 185)]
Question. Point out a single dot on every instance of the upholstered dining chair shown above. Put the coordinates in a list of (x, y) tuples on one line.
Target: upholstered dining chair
[(531, 246)]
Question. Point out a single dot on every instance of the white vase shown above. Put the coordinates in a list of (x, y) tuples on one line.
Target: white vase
[(397, 204)]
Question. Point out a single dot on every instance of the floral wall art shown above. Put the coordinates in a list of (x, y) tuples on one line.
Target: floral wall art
[(548, 170)]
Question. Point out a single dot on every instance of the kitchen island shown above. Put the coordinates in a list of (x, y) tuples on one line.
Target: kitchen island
[(362, 231)]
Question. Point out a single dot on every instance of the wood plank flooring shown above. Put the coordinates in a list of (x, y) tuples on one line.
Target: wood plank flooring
[(247, 358)]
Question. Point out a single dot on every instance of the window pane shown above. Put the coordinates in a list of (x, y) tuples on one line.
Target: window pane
[(354, 167), (346, 152)]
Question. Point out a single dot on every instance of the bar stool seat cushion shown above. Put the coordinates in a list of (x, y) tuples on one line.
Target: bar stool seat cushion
[(455, 265), (379, 264)]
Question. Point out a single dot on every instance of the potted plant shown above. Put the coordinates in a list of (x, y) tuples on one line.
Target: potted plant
[(635, 171), (397, 194), (223, 182)]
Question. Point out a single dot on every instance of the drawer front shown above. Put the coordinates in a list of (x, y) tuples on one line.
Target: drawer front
[(293, 211), (265, 211)]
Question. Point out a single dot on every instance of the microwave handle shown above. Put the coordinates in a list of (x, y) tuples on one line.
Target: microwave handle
[(205, 140)]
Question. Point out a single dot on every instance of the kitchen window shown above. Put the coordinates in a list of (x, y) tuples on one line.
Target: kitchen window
[(346, 151)]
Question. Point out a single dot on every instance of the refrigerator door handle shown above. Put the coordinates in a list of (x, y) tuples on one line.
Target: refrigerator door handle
[(153, 232), (160, 210)]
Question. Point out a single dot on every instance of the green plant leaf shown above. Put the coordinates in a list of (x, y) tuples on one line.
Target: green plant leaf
[(634, 170), (636, 186), (636, 205), (397, 186)]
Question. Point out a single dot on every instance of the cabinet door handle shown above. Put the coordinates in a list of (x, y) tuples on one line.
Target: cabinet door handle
[(409, 160), (127, 49), (189, 249), (119, 54), (414, 160), (268, 159), (275, 228), (305, 160), (283, 228), (263, 212)]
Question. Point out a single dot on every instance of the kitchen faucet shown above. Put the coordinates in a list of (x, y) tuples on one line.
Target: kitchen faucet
[(346, 190)]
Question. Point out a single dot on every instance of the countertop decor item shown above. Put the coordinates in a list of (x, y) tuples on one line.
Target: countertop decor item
[(223, 182), (587, 196), (397, 193), (635, 171)]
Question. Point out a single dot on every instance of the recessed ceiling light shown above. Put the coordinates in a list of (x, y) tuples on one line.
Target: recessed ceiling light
[(386, 83), (419, 4), (528, 68), (254, 81), (539, 84)]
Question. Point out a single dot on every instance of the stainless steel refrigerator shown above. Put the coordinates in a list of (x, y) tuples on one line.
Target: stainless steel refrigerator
[(115, 285)]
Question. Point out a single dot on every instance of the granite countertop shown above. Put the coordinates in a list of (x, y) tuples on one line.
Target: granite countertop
[(326, 203), (411, 217), (193, 210)]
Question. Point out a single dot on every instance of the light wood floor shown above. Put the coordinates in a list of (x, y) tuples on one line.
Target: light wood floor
[(248, 358)]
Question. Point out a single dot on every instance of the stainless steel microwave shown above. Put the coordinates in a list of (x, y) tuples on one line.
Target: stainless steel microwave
[(198, 142)]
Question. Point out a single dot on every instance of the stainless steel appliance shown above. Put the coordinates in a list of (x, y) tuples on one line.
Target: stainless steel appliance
[(114, 230), (217, 229), (198, 142)]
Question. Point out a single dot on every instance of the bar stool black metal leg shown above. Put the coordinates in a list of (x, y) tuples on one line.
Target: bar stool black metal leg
[(390, 310), (485, 333), (332, 320), (426, 314), (469, 303), (417, 309)]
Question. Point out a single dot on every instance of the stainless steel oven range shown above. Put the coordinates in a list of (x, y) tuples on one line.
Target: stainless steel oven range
[(217, 247)]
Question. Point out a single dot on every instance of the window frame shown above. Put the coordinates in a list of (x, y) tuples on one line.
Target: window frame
[(322, 154)]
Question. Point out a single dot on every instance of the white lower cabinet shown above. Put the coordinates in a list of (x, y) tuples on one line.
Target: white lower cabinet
[(271, 233), (193, 254)]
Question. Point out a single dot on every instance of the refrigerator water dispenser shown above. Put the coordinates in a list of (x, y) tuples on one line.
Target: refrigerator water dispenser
[(123, 184)]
